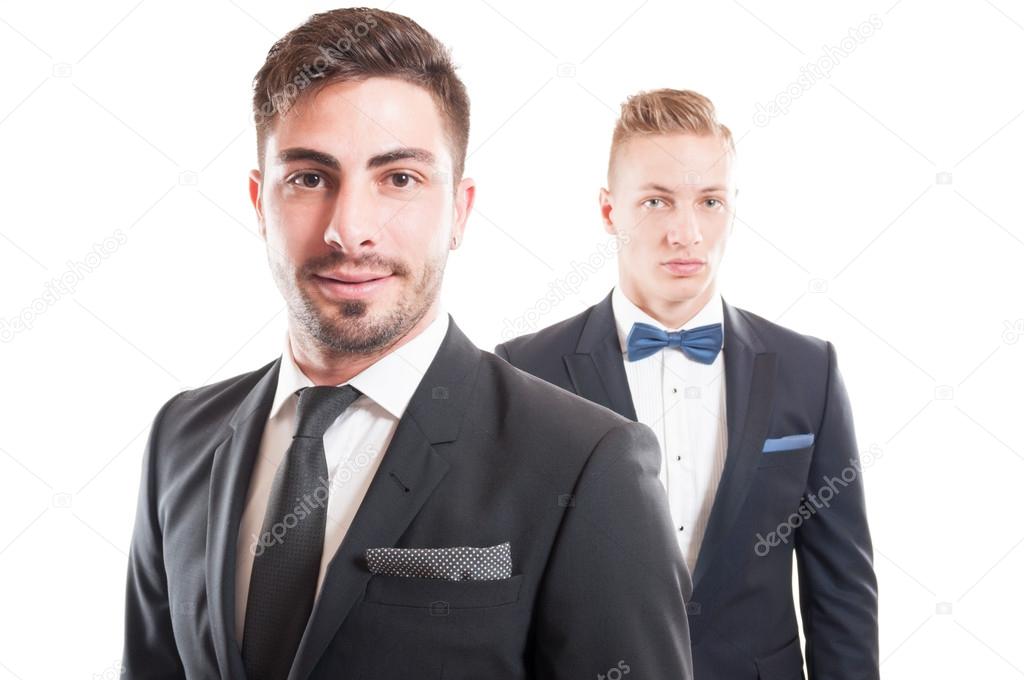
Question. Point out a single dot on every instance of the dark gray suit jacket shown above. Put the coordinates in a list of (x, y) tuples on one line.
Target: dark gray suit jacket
[(483, 455), (810, 498)]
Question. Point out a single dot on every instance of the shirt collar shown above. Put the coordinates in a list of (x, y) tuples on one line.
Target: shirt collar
[(627, 313), (390, 381)]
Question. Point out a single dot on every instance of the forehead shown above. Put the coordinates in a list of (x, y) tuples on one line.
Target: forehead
[(674, 159), (356, 120)]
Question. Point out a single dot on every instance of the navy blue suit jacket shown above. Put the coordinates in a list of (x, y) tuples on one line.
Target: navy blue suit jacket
[(805, 500)]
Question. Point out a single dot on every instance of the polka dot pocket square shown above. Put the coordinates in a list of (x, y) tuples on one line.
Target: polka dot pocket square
[(450, 564)]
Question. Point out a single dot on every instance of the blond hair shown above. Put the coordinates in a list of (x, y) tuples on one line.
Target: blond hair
[(667, 111)]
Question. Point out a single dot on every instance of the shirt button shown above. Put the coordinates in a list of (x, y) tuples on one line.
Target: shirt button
[(675, 390), (679, 457), (681, 528)]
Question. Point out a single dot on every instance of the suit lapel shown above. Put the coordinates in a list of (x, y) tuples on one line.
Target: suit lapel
[(596, 368), (231, 470), (597, 373), (749, 384), (408, 474)]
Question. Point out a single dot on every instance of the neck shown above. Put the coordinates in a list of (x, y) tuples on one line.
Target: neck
[(325, 366), (669, 313)]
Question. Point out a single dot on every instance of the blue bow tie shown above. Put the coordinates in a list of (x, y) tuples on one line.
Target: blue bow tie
[(700, 344)]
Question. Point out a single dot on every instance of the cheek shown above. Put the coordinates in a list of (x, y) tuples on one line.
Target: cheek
[(719, 237), (422, 228), (630, 221), (295, 227), (641, 251)]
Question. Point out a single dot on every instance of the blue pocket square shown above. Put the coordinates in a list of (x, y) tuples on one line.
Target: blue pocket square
[(793, 441)]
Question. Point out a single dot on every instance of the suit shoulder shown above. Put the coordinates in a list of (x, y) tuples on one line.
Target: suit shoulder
[(803, 360), (546, 405), (563, 334), (563, 433), (207, 407), (780, 339)]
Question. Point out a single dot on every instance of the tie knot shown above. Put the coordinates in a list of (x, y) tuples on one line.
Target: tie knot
[(320, 405)]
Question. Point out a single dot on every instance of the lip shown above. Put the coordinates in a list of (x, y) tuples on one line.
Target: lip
[(684, 267), (351, 286), (354, 277)]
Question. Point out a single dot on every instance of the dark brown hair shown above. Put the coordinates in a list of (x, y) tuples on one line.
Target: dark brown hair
[(353, 44)]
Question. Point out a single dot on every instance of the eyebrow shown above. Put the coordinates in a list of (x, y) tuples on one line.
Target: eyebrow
[(303, 154), (401, 154), (654, 186), (381, 159)]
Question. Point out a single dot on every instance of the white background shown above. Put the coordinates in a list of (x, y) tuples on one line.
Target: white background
[(881, 210)]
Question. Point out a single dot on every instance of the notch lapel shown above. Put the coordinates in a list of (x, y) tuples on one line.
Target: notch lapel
[(749, 385), (596, 368), (231, 470), (408, 474)]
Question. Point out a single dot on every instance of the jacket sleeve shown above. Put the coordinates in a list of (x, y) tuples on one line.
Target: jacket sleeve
[(150, 652), (613, 598), (838, 589)]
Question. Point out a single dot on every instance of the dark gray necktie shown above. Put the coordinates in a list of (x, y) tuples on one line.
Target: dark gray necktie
[(287, 562)]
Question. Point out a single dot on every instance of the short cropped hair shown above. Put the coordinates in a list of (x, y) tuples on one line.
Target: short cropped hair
[(667, 111)]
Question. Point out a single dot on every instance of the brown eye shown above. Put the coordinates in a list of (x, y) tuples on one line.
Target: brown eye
[(400, 180), (308, 180)]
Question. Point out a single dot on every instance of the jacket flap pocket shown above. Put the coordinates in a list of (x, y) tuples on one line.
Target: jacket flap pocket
[(430, 593)]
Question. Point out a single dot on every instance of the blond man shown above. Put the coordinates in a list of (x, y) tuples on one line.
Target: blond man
[(759, 458)]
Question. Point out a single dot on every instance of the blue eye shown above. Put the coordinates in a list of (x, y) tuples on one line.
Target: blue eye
[(651, 201)]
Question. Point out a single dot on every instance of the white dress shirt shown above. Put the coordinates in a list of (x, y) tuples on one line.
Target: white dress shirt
[(683, 401), (354, 444)]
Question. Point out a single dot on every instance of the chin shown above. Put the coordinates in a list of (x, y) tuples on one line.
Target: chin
[(686, 292)]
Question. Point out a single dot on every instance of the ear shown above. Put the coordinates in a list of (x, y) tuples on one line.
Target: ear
[(256, 196), (465, 195), (604, 199)]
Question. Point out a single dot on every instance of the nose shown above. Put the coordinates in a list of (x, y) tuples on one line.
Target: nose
[(352, 226), (684, 231)]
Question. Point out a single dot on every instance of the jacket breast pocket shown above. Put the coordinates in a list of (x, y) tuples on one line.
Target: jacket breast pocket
[(441, 595)]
